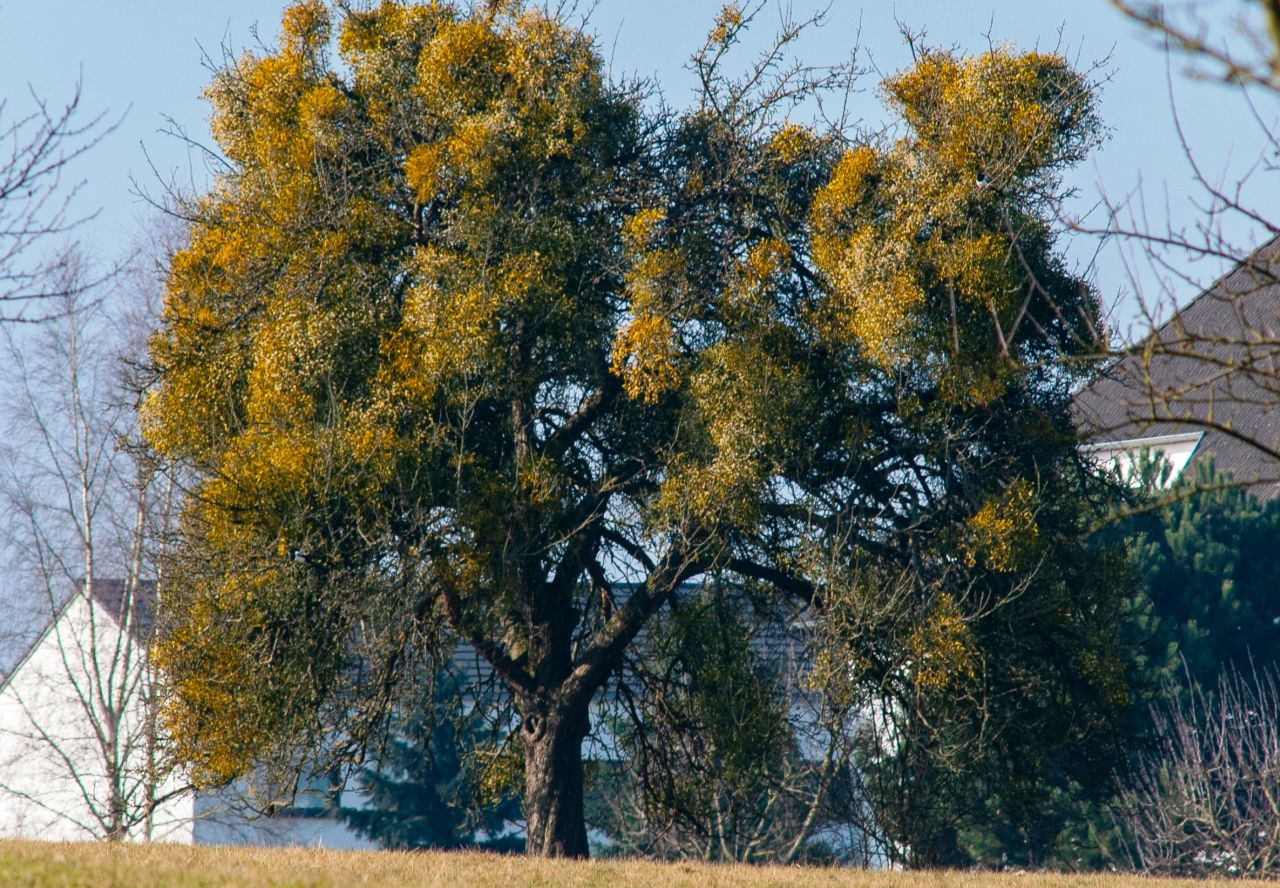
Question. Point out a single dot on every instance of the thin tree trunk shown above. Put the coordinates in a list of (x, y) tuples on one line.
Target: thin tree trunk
[(553, 797)]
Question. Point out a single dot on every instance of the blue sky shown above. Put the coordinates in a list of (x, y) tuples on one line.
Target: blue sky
[(143, 61)]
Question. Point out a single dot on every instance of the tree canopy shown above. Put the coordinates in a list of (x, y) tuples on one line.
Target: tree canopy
[(471, 343)]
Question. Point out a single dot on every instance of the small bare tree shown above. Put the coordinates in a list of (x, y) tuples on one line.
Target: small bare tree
[(1206, 800), (81, 751)]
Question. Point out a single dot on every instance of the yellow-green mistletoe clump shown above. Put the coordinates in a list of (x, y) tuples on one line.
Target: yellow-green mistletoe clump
[(1003, 534), (913, 236)]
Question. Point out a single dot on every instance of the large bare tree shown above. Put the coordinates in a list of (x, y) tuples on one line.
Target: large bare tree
[(1212, 365)]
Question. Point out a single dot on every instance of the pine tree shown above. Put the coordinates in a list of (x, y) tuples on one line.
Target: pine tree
[(1208, 562), (427, 787)]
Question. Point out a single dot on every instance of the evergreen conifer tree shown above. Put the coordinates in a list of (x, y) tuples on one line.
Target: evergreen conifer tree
[(428, 787), (1208, 565)]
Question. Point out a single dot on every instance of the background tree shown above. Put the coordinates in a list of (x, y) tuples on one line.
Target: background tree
[(430, 786), (468, 336), (85, 512), (1207, 561), (36, 204)]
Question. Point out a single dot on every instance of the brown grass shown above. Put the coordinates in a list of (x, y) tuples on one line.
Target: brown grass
[(49, 865)]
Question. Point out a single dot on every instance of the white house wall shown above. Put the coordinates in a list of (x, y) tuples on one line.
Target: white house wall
[(51, 759), (52, 764), (1169, 455)]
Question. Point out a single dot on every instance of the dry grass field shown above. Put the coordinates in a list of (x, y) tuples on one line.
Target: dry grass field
[(160, 866)]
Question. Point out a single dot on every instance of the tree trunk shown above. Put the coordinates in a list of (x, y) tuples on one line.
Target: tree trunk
[(553, 787)]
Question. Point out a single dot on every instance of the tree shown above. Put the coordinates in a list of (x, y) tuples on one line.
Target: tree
[(468, 336), (84, 753), (428, 787), (36, 206), (1207, 561)]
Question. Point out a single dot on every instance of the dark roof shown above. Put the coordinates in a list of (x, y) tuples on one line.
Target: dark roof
[(113, 597), (778, 642), (1214, 367)]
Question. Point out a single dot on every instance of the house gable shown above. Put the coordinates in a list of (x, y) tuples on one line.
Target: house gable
[(82, 674), (53, 773)]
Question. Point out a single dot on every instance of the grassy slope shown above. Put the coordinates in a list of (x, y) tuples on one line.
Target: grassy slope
[(168, 866)]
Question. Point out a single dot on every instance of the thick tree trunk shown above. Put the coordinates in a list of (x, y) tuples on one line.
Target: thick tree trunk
[(553, 789)]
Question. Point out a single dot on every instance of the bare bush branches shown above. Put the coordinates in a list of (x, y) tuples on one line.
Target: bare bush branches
[(1206, 801)]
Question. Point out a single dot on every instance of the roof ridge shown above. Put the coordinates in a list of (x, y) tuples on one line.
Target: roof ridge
[(1247, 263)]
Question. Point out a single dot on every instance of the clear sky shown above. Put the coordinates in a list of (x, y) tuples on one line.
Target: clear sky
[(144, 60)]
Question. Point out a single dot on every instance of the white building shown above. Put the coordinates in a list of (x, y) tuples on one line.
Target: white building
[(81, 753)]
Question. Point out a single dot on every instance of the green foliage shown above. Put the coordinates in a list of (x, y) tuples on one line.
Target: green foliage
[(719, 757), (428, 786), (1208, 562), (989, 751), (716, 693)]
